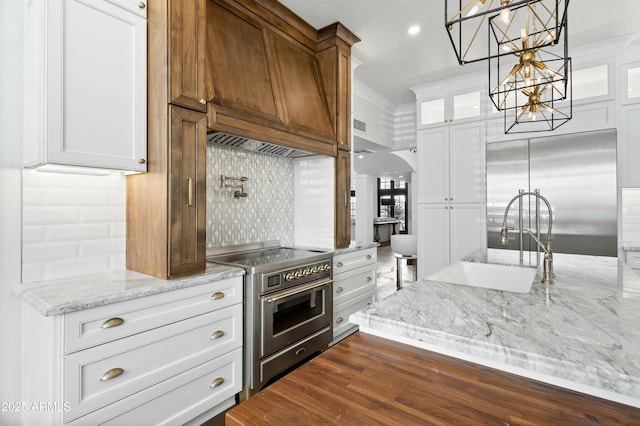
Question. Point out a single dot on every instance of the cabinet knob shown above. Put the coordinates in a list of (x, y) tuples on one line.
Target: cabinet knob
[(446, 199), (339, 264), (368, 257), (202, 101), (141, 5), (111, 374), (217, 295), (339, 320), (339, 290), (369, 279), (112, 322), (217, 334), (217, 382), (446, 207), (141, 160)]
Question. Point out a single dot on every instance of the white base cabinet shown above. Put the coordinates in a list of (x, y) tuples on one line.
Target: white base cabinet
[(162, 359), (86, 84), (354, 286)]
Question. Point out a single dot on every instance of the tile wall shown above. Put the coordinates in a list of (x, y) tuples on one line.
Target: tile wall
[(72, 224), (267, 213)]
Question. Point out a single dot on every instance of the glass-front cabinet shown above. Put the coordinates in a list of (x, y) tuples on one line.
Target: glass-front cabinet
[(449, 107)]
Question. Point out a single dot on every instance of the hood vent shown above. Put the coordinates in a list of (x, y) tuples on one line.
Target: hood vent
[(246, 144)]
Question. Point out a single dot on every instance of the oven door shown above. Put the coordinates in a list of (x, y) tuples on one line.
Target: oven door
[(293, 314)]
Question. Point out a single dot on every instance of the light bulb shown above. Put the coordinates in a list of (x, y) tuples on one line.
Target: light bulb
[(505, 16), (476, 6), (507, 48)]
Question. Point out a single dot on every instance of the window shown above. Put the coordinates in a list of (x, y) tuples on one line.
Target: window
[(392, 201)]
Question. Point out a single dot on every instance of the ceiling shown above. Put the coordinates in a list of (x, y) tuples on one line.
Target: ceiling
[(393, 61)]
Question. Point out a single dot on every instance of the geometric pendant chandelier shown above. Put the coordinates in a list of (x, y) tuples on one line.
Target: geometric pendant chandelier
[(467, 23), (530, 73), (525, 43)]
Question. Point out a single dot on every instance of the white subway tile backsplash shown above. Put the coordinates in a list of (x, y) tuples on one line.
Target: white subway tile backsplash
[(49, 251), (78, 266), (44, 214), (72, 224), (314, 194), (76, 232), (103, 214)]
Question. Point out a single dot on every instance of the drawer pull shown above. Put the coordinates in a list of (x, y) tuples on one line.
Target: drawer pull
[(339, 290), (217, 382), (369, 279), (112, 322), (339, 264), (300, 351), (141, 5), (111, 374), (217, 295), (368, 257), (339, 320), (217, 334)]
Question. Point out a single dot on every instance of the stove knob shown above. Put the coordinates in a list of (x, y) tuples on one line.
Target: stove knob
[(298, 274), (289, 276), (314, 270), (307, 272)]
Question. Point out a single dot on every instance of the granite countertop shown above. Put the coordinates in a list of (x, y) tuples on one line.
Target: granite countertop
[(356, 246), (580, 333), (59, 296)]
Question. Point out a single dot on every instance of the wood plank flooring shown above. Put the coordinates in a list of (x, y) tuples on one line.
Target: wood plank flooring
[(367, 380)]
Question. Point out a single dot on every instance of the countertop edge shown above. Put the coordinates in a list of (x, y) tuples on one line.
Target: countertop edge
[(356, 246), (509, 368), (45, 296)]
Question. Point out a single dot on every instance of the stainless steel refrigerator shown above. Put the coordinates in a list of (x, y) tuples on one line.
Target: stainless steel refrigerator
[(576, 173)]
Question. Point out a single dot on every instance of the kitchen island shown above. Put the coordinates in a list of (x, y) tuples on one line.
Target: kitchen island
[(580, 333)]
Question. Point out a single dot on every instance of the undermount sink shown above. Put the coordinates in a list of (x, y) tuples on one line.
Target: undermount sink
[(404, 244), (487, 275)]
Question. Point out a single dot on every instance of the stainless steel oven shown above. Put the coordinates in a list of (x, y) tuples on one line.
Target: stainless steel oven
[(288, 306)]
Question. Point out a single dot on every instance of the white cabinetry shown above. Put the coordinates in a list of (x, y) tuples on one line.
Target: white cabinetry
[(85, 84), (456, 106), (451, 194), (354, 285), (170, 358)]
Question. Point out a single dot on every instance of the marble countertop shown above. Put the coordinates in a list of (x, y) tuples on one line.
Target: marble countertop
[(356, 246), (581, 333), (54, 297)]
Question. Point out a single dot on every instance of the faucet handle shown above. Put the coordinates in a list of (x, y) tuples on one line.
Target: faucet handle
[(504, 236)]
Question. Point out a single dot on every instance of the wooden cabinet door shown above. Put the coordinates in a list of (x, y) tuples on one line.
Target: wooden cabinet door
[(187, 29), (342, 202), (239, 77), (187, 180)]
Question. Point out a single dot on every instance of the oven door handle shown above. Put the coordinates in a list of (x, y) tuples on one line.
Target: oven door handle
[(299, 290)]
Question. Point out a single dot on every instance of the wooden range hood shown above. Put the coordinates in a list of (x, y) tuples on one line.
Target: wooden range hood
[(273, 77), (246, 67)]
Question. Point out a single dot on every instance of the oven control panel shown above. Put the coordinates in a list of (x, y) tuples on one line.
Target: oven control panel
[(294, 276), (305, 272)]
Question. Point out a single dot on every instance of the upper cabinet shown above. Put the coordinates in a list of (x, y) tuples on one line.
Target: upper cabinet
[(451, 103), (267, 78), (86, 84), (187, 33)]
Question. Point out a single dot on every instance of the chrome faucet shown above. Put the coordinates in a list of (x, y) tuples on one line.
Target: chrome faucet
[(547, 272)]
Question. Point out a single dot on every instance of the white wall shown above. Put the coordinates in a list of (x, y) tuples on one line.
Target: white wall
[(10, 201)]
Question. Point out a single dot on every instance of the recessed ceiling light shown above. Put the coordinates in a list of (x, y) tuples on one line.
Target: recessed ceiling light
[(414, 29)]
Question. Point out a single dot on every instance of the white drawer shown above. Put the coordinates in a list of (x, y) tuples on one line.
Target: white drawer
[(353, 283), (192, 391), (355, 259), (83, 329), (147, 358), (633, 259), (342, 312)]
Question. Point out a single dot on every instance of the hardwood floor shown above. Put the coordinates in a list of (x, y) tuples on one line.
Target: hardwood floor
[(366, 380)]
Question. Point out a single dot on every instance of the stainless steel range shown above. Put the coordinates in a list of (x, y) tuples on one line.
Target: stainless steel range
[(288, 305)]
